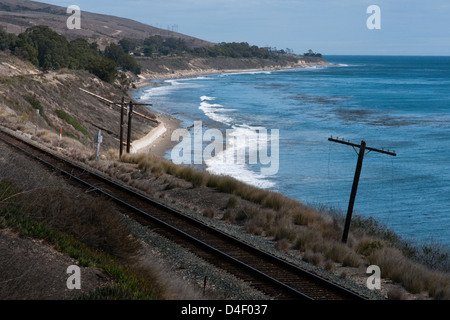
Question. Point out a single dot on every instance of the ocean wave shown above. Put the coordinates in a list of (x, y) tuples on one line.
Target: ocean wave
[(166, 88), (344, 65), (239, 172), (240, 158), (216, 112), (206, 98), (226, 74)]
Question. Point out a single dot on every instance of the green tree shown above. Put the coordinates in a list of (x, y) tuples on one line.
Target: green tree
[(5, 39), (122, 59), (104, 68), (81, 53), (52, 48), (26, 49)]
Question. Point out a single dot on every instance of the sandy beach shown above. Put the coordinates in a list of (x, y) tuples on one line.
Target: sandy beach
[(158, 140)]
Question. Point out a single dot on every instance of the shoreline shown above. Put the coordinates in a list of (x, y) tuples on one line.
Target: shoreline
[(158, 141), (145, 78)]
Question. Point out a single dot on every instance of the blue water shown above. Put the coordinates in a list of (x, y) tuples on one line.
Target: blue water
[(396, 103)]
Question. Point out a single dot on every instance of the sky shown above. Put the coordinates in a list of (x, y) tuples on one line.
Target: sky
[(331, 27)]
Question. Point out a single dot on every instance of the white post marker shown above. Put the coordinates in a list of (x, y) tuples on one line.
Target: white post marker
[(99, 140), (37, 119)]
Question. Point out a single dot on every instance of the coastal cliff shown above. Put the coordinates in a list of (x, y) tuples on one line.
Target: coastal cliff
[(175, 67)]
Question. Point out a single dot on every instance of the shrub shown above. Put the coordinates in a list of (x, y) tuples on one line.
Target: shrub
[(336, 251), (73, 122), (313, 257), (351, 260), (307, 240), (282, 245)]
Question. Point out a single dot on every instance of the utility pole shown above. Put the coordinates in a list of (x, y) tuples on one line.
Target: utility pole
[(130, 116), (121, 105), (362, 149), (121, 127)]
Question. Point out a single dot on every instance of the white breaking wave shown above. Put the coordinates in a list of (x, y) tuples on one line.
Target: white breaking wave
[(239, 172), (228, 162), (244, 72), (206, 98), (166, 88), (215, 111)]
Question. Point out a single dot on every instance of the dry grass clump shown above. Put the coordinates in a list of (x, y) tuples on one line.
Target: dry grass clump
[(282, 245), (315, 258), (302, 215), (252, 228), (414, 277), (259, 221), (308, 240), (209, 213), (396, 294), (282, 228)]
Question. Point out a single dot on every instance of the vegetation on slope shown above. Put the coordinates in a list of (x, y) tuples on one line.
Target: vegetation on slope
[(72, 121), (159, 46), (49, 50), (89, 232)]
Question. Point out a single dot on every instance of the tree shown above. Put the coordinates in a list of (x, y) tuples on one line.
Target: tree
[(126, 45), (52, 48), (311, 53), (6, 39), (104, 68), (26, 49), (123, 60)]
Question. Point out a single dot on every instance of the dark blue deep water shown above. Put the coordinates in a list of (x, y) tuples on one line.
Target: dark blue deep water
[(396, 103)]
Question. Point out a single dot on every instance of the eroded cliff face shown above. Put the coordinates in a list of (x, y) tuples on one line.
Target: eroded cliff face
[(62, 104), (173, 67)]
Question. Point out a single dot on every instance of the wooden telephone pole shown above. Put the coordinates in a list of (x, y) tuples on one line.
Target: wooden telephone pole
[(130, 116), (362, 149), (121, 105), (130, 112), (121, 127)]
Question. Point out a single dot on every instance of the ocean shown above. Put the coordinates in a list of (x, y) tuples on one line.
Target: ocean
[(395, 103)]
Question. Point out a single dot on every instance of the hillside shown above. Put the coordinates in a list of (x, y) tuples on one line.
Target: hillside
[(17, 15), (59, 99)]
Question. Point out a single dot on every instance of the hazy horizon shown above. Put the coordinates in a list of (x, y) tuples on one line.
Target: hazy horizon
[(330, 27)]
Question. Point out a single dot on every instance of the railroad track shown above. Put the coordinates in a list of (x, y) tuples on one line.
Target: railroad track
[(270, 274)]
